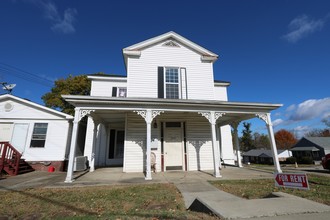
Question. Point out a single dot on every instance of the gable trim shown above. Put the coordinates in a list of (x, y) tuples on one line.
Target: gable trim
[(208, 55), (34, 105)]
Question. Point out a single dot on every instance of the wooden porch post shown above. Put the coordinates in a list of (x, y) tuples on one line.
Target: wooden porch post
[(148, 120), (69, 174), (148, 116), (266, 118), (236, 142), (95, 132), (219, 144), (212, 117), (216, 159)]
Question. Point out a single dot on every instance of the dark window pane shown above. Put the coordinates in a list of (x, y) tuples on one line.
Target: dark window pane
[(39, 135)]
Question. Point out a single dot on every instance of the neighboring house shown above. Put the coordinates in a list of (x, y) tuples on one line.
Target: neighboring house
[(264, 156), (39, 133), (168, 108), (312, 147)]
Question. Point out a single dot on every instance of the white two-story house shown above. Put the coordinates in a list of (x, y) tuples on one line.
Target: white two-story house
[(168, 111)]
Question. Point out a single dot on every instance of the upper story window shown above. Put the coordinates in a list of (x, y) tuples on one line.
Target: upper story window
[(119, 91), (172, 85), (39, 135)]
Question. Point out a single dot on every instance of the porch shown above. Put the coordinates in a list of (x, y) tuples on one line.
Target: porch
[(198, 132)]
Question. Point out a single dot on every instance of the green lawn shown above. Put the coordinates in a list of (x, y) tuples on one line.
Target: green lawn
[(261, 188), (150, 201)]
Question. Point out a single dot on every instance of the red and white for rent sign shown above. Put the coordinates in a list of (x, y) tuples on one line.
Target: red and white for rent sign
[(291, 180)]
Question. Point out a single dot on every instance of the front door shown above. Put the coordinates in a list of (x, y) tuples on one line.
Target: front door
[(116, 148), (173, 143), (18, 140)]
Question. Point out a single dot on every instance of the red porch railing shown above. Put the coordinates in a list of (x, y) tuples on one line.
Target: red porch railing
[(9, 158)]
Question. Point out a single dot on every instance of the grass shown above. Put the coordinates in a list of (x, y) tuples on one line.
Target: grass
[(150, 201), (262, 188)]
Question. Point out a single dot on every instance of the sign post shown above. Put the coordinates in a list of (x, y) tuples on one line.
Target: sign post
[(291, 180)]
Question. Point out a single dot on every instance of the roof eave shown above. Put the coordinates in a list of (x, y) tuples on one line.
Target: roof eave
[(78, 100)]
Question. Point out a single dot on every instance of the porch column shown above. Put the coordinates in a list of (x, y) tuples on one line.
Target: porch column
[(219, 144), (266, 118), (78, 115), (212, 117), (95, 131), (148, 116), (236, 143)]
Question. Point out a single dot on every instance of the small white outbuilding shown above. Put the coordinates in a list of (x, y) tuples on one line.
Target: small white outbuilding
[(39, 133)]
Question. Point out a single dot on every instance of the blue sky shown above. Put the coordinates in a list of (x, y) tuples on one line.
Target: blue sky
[(270, 51)]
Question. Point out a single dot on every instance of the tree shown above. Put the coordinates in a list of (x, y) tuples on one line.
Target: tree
[(246, 141), (261, 141), (284, 139), (326, 121), (316, 132), (73, 85)]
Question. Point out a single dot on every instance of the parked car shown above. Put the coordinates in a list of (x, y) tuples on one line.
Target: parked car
[(326, 162)]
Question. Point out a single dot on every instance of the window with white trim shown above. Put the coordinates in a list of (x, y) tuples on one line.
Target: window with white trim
[(172, 83), (121, 92), (39, 135)]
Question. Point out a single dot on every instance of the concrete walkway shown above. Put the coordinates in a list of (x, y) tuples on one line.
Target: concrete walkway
[(198, 194)]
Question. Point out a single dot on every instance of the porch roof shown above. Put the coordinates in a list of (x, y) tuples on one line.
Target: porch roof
[(235, 111), (307, 148)]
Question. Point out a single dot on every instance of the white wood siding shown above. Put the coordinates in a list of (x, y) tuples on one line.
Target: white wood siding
[(220, 93), (142, 71), (135, 143), (56, 140), (199, 141), (55, 145), (104, 87)]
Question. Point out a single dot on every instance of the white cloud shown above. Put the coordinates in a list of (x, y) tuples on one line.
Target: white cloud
[(302, 26), (66, 24), (277, 122), (299, 131), (61, 24), (312, 108), (291, 108)]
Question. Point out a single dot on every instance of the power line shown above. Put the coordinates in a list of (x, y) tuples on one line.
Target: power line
[(25, 75)]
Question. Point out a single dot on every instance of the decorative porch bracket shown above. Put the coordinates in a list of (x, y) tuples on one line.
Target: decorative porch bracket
[(234, 125), (148, 116), (78, 115), (212, 117), (266, 118)]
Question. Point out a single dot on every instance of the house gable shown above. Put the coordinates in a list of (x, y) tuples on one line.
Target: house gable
[(17, 108), (169, 38), (148, 62), (307, 142)]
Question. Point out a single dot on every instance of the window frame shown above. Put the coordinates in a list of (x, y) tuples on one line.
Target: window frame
[(41, 140), (171, 83), (118, 92)]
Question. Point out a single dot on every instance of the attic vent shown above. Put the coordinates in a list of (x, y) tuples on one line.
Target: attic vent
[(171, 43), (8, 107)]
